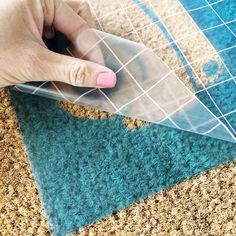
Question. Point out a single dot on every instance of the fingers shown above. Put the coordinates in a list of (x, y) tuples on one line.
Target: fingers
[(55, 67), (83, 10), (77, 72), (87, 47), (77, 30), (80, 7), (59, 15)]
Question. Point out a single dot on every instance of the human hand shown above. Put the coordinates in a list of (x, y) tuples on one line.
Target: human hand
[(23, 55)]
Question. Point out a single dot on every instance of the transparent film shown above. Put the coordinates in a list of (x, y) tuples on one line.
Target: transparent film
[(146, 89)]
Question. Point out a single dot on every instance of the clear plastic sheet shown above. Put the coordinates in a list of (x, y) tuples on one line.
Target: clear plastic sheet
[(146, 89)]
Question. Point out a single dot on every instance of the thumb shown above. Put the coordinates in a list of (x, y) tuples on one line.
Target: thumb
[(77, 72)]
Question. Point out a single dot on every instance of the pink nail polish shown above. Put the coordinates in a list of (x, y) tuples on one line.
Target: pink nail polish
[(106, 80)]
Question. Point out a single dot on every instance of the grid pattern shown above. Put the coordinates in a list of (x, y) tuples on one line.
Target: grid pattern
[(213, 88)]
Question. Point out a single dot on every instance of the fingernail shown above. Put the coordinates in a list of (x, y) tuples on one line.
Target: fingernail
[(106, 80)]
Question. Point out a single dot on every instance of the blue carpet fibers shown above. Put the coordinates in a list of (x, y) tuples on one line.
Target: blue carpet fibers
[(86, 170)]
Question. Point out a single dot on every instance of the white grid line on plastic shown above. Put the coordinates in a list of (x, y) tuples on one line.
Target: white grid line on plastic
[(39, 87), (230, 113), (177, 13), (117, 111), (184, 11), (164, 18), (59, 91), (94, 13), (134, 30), (95, 45), (223, 23), (211, 130), (126, 8), (204, 84), (174, 41), (168, 116), (216, 85), (182, 67), (146, 94), (196, 75), (199, 31), (171, 71), (140, 87), (220, 18), (103, 30), (180, 80), (84, 94), (209, 40), (186, 65), (190, 35), (109, 100)]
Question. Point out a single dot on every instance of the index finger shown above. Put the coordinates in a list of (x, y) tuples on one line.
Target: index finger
[(68, 22), (83, 10)]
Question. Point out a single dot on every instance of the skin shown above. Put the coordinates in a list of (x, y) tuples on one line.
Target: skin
[(24, 56)]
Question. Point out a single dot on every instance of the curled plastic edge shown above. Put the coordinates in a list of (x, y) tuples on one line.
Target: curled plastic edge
[(146, 89)]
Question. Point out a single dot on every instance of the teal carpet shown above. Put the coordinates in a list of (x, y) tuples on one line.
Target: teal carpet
[(86, 170)]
